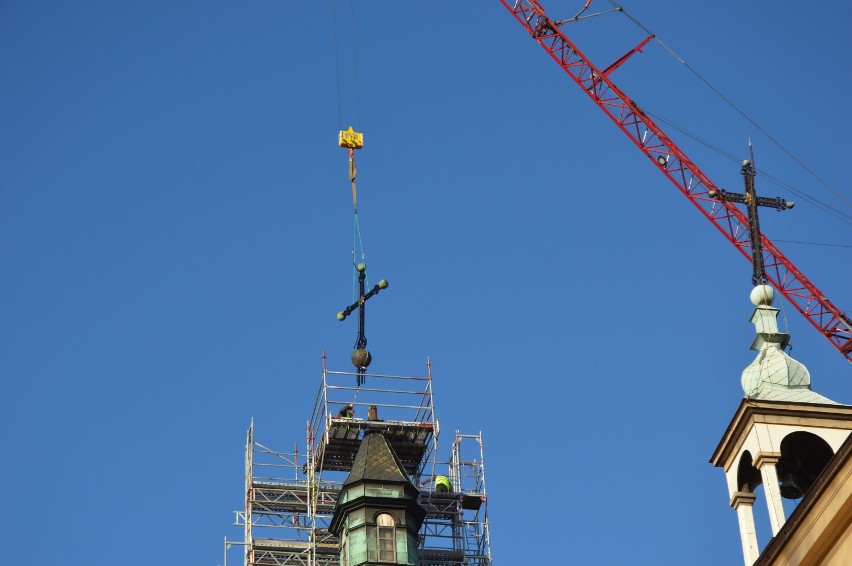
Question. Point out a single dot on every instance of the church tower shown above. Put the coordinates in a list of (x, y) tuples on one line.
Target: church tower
[(297, 509), (377, 516), (782, 435)]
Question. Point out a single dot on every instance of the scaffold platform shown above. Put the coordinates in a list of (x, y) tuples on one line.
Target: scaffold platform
[(337, 448), (291, 497)]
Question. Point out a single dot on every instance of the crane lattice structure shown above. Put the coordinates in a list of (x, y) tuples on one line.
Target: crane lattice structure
[(290, 497), (831, 322)]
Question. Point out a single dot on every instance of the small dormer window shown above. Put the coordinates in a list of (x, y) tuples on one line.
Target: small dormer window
[(386, 529)]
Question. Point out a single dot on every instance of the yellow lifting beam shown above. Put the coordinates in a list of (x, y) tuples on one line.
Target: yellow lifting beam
[(351, 140)]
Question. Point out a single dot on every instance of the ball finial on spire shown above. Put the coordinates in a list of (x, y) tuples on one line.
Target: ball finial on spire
[(762, 295)]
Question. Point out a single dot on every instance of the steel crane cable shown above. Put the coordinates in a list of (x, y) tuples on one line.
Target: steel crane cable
[(355, 67), (814, 244), (336, 60), (734, 106), (354, 51), (357, 241)]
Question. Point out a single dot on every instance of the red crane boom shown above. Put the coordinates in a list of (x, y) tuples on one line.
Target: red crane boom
[(680, 170)]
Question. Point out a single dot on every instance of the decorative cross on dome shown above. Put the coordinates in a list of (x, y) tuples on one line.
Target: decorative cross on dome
[(361, 357), (752, 201)]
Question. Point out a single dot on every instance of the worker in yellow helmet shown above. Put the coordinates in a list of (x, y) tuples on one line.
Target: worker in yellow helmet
[(442, 483)]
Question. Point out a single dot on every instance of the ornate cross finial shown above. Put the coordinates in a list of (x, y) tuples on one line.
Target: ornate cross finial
[(752, 201), (361, 357)]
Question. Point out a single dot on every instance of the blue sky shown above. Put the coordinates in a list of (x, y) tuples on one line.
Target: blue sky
[(176, 230)]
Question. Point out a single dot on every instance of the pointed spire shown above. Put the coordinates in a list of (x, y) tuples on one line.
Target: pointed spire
[(774, 375), (376, 461)]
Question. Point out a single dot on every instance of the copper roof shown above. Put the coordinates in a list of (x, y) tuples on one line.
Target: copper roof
[(376, 461)]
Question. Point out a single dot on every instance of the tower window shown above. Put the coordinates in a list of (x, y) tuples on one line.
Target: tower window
[(387, 537)]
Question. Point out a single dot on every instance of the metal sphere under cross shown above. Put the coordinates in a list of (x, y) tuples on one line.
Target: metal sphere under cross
[(361, 357)]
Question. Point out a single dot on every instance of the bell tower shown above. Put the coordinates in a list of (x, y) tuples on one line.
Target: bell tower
[(782, 435)]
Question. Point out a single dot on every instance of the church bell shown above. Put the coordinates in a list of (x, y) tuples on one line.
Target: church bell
[(790, 483)]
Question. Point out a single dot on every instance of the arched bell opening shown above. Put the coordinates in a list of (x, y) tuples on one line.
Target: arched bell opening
[(748, 477), (804, 456)]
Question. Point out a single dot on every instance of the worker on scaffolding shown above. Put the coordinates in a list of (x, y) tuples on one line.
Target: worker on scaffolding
[(442, 483), (347, 412)]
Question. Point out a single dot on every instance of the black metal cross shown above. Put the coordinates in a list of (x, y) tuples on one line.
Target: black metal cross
[(752, 201), (361, 357)]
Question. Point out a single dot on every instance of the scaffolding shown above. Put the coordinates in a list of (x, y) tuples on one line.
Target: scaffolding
[(290, 497)]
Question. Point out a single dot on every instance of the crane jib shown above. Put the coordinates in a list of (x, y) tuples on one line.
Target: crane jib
[(805, 297)]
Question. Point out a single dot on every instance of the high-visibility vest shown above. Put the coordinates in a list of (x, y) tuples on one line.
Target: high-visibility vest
[(442, 480)]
